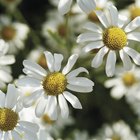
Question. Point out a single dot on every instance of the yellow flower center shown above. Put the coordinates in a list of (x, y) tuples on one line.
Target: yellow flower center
[(8, 33), (135, 12), (42, 61), (62, 30), (92, 15), (114, 38), (55, 83), (129, 79), (47, 120), (8, 119)]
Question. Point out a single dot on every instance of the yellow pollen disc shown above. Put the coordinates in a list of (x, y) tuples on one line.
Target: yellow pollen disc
[(114, 38), (42, 61), (129, 79), (8, 119), (135, 12), (8, 33), (46, 119), (54, 83), (92, 15), (62, 30)]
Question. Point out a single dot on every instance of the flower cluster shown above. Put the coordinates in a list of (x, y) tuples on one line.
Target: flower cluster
[(42, 71)]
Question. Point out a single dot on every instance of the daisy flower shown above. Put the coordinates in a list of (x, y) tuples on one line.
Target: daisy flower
[(123, 82), (54, 84), (5, 61), (117, 131), (113, 38), (11, 127), (14, 33)]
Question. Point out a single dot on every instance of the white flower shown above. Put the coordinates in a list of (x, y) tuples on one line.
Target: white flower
[(11, 127), (123, 82), (113, 38), (53, 84), (5, 60), (52, 128), (117, 131), (14, 33)]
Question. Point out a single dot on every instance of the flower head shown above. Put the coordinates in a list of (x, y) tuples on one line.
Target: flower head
[(123, 82), (115, 37), (53, 84), (10, 124), (13, 33)]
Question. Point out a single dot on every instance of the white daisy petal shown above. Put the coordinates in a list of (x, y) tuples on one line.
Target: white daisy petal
[(89, 37), (79, 88), (7, 60), (118, 92), (64, 6), (28, 134), (2, 99), (50, 61), (93, 27), (72, 99), (133, 54), (5, 76), (71, 61), (26, 81), (28, 125), (75, 72), (63, 106), (113, 15), (134, 36), (40, 108), (98, 59), (111, 82), (80, 81), (122, 20), (6, 136), (19, 105), (110, 64), (57, 61), (102, 18), (29, 100), (16, 135), (11, 96), (126, 60), (52, 107), (133, 25), (87, 6), (34, 67), (93, 45), (32, 74)]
